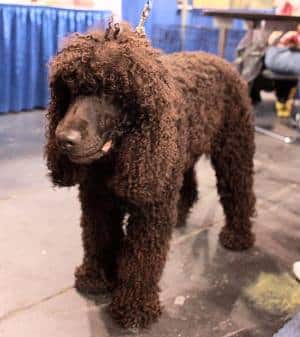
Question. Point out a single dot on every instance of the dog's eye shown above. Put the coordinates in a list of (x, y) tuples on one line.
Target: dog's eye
[(107, 135)]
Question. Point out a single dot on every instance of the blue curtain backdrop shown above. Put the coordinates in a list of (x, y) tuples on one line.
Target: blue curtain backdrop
[(29, 37)]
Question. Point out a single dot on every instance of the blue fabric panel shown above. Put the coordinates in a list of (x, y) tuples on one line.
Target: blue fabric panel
[(29, 37), (168, 38), (233, 38)]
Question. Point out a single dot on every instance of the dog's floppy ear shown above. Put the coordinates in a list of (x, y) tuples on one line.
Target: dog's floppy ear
[(61, 170), (146, 167)]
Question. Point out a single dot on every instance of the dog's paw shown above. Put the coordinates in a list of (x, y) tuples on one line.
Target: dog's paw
[(135, 313), (90, 282), (236, 241)]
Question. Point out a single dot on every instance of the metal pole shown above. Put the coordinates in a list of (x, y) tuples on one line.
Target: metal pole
[(284, 139), (184, 15)]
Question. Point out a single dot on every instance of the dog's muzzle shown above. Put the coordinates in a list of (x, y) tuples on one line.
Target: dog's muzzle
[(68, 140)]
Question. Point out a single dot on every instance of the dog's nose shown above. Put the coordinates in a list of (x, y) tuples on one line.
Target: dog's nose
[(68, 139)]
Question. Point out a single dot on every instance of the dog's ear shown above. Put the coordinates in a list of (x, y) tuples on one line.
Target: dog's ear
[(62, 172), (147, 164)]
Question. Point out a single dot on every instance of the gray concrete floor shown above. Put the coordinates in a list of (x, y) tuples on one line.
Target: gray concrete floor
[(206, 290)]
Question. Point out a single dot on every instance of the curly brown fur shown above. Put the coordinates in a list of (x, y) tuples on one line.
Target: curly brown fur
[(166, 111)]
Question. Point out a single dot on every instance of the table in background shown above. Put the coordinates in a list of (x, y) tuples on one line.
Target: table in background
[(29, 37), (223, 20)]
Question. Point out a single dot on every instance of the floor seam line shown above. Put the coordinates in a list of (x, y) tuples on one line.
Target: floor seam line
[(14, 312)]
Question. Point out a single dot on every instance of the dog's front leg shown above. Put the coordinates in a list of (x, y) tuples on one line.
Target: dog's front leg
[(142, 258), (101, 223)]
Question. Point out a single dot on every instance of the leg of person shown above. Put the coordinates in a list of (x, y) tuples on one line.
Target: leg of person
[(278, 60), (102, 233), (293, 58), (284, 61), (257, 85), (285, 94)]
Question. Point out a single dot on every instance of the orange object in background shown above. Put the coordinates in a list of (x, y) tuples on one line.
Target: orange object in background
[(287, 9), (291, 7), (84, 3)]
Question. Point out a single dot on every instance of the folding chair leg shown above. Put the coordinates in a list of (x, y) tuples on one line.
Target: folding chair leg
[(284, 139)]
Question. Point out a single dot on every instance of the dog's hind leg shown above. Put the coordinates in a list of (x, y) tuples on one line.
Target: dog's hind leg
[(232, 158), (102, 233), (188, 196)]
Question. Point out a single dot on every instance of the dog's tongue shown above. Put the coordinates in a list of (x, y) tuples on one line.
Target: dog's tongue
[(107, 146)]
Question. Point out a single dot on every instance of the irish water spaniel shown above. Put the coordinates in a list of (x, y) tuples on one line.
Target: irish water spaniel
[(128, 123)]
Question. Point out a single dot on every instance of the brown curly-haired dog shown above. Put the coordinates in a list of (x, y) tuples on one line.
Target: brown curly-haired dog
[(128, 123)]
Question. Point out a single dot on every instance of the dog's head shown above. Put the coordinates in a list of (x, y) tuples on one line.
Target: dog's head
[(89, 129), (100, 89)]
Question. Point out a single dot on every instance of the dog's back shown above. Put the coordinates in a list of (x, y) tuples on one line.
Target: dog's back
[(212, 92)]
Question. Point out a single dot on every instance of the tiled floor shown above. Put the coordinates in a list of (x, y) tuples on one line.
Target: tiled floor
[(206, 290)]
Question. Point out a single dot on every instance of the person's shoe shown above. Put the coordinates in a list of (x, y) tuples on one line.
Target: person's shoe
[(283, 110), (296, 269)]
